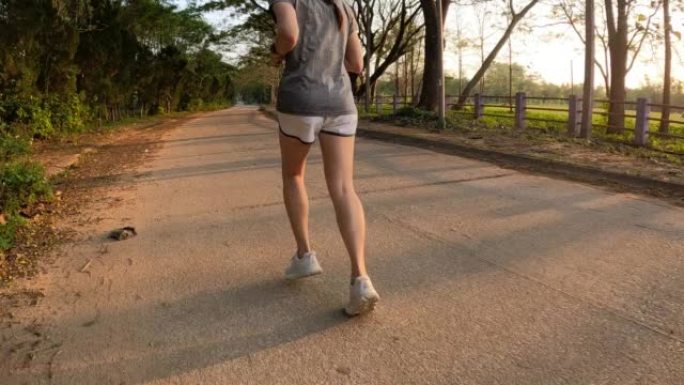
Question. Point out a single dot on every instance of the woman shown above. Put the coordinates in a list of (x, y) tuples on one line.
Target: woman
[(318, 40)]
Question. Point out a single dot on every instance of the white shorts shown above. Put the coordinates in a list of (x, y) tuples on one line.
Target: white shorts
[(307, 128)]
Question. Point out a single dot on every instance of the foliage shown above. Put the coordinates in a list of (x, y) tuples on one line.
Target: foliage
[(409, 116), (13, 146), (67, 64), (8, 231), (22, 183)]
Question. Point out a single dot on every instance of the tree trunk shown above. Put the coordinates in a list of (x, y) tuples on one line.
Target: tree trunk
[(589, 60), (510, 75), (413, 76), (416, 87), (482, 58), (515, 19), (405, 84), (396, 79), (429, 95), (617, 44), (665, 112)]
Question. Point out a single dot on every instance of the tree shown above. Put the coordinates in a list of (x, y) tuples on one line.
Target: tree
[(575, 17), (460, 42), (393, 26), (589, 60), (619, 44), (72, 62), (515, 18), (622, 35), (499, 75), (394, 30), (483, 15), (429, 96), (667, 72)]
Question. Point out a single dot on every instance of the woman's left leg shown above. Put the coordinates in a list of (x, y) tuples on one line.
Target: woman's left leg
[(293, 154)]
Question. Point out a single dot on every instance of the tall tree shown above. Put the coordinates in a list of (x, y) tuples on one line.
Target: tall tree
[(429, 95), (667, 94), (394, 28), (619, 45), (515, 18), (618, 49), (569, 9), (589, 60), (388, 30), (639, 29)]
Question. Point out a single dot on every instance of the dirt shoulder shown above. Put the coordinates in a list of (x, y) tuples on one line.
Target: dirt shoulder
[(616, 167), (82, 171)]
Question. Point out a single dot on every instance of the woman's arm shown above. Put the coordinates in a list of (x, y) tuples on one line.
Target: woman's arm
[(287, 30), (353, 56)]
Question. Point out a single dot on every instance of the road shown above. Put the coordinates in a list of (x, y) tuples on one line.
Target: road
[(487, 276)]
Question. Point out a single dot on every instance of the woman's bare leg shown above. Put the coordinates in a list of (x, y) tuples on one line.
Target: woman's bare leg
[(338, 163), (293, 154)]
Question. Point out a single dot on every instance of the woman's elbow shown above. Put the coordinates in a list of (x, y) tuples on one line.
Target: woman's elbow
[(288, 40), (355, 66)]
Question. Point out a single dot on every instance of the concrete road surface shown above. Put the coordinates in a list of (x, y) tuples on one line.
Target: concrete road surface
[(487, 276)]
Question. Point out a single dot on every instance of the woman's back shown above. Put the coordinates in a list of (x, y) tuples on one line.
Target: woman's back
[(315, 82)]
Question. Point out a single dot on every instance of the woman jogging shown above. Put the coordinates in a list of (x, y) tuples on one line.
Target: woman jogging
[(318, 41)]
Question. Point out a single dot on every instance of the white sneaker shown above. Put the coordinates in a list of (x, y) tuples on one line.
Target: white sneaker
[(304, 266), (362, 297)]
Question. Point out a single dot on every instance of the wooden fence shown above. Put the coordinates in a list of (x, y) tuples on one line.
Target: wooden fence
[(569, 108)]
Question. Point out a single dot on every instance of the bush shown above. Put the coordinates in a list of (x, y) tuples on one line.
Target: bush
[(410, 116), (26, 115), (415, 113), (13, 146), (44, 117), (69, 115), (41, 122), (22, 183), (8, 231)]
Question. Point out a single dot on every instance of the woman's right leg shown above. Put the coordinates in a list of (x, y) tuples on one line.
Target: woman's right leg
[(338, 164), (293, 154)]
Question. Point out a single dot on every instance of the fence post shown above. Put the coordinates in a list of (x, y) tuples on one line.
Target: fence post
[(520, 105), (395, 103), (378, 100), (641, 126), (573, 116), (477, 102)]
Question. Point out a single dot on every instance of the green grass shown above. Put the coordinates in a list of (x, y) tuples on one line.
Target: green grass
[(656, 142), (665, 149), (464, 119)]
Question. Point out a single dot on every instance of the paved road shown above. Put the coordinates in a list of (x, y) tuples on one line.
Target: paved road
[(487, 276)]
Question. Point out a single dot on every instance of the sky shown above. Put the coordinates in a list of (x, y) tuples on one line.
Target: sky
[(551, 50), (555, 52)]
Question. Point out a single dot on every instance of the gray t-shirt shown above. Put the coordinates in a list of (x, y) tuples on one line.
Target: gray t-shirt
[(315, 81)]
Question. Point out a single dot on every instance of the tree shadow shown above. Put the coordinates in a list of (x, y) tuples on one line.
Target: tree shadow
[(172, 338)]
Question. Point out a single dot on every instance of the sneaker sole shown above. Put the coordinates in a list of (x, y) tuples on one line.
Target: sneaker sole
[(296, 277), (367, 306)]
